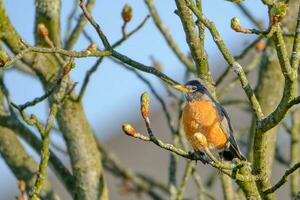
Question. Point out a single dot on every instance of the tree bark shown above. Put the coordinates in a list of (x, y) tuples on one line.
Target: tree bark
[(21, 164), (269, 93)]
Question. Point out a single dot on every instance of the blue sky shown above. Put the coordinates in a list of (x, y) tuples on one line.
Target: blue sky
[(114, 91), (113, 94)]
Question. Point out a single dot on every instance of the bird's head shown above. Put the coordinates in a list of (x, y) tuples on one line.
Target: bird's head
[(196, 91)]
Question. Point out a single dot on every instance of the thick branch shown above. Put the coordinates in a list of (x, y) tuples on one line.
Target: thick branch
[(9, 35), (23, 166), (265, 137), (235, 66), (26, 134), (89, 181), (48, 13), (290, 73), (193, 41)]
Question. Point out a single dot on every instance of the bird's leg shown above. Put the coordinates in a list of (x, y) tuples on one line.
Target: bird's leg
[(221, 156), (199, 155), (211, 155)]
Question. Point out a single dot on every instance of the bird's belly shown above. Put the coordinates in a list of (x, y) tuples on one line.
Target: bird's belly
[(202, 117)]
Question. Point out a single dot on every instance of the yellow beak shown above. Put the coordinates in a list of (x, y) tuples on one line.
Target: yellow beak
[(181, 88)]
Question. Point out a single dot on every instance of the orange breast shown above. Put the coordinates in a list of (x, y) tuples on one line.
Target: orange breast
[(202, 117)]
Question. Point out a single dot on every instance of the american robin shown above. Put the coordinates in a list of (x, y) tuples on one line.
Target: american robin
[(206, 123)]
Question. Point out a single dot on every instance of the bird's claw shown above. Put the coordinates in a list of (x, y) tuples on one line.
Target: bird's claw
[(198, 155)]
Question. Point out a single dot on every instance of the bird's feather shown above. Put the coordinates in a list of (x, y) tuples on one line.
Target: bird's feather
[(227, 128)]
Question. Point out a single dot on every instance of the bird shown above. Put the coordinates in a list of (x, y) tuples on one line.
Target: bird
[(207, 125)]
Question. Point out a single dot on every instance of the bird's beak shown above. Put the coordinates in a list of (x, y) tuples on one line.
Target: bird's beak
[(181, 88)]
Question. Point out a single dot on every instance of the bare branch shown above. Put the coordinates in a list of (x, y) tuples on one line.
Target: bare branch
[(64, 52), (235, 66), (94, 68), (283, 179), (167, 36), (79, 27)]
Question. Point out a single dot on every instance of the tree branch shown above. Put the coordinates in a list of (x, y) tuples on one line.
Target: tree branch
[(167, 36), (235, 66), (193, 41), (63, 52), (94, 68), (89, 182), (9, 35), (79, 27), (291, 73), (26, 134), (23, 166), (94, 24), (283, 179), (142, 182)]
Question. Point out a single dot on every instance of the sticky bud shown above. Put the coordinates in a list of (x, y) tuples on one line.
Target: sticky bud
[(156, 64), (42, 29), (200, 140), (92, 47), (127, 13), (235, 24), (145, 105), (3, 58), (128, 129), (278, 11), (22, 185), (68, 68)]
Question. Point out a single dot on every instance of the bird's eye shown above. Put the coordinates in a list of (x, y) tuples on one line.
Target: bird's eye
[(192, 88)]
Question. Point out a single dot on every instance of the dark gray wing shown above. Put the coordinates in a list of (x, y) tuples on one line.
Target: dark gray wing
[(227, 128)]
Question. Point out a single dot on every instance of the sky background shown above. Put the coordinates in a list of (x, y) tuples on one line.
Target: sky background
[(112, 96)]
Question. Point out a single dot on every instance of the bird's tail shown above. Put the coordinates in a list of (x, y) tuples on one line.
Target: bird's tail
[(231, 153)]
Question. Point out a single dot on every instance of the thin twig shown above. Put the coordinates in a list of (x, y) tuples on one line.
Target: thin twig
[(126, 59), (142, 182), (70, 19), (295, 58), (283, 179), (232, 83), (154, 92), (224, 167), (44, 132), (201, 189), (64, 52), (31, 138), (187, 173), (94, 24), (167, 36), (94, 68), (79, 27), (239, 57), (249, 15)]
